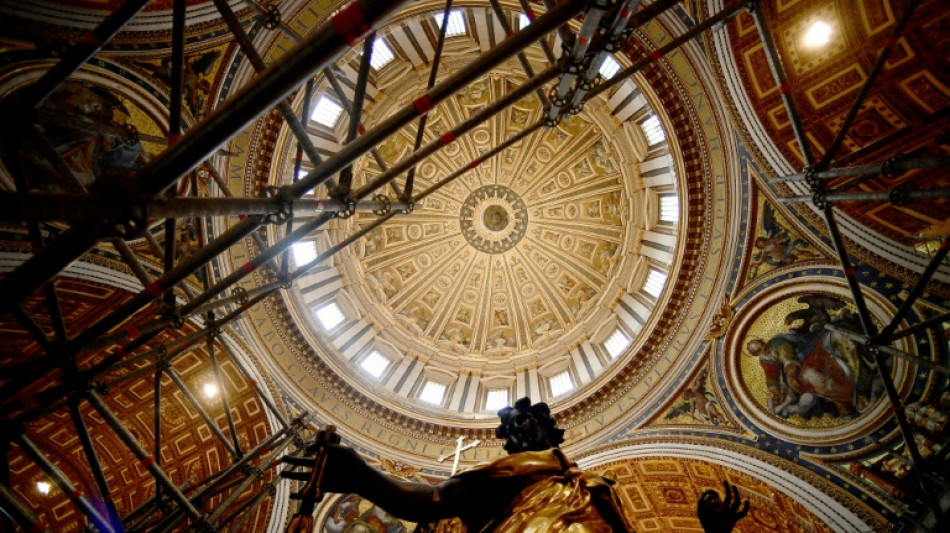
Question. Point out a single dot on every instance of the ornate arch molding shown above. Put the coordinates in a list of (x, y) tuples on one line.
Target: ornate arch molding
[(819, 496)]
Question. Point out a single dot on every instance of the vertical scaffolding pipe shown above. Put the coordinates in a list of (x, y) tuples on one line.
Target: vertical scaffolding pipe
[(92, 457), (201, 411), (362, 79), (174, 131), (298, 163), (136, 448), (219, 376), (19, 512), (575, 61), (778, 72), (158, 417), (433, 72), (66, 486)]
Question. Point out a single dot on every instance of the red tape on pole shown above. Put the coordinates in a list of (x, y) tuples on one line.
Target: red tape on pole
[(423, 104), (350, 23)]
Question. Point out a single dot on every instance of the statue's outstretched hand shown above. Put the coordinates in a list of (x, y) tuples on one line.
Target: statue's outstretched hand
[(718, 516)]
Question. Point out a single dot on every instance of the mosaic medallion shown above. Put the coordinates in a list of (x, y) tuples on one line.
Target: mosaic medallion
[(493, 219)]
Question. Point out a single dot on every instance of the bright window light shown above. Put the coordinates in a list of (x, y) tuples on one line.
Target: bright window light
[(326, 112), (523, 21), (433, 393), (653, 130), (817, 35), (456, 23), (655, 282), (609, 67), (497, 398), (617, 343), (669, 208), (210, 389), (304, 252), (561, 383), (375, 364), (43, 487), (330, 316), (382, 55)]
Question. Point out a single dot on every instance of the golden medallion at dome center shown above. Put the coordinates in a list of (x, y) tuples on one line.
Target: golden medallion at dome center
[(493, 219)]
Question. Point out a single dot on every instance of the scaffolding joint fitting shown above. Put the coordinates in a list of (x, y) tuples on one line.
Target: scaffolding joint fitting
[(383, 205), (899, 195), (888, 169), (811, 178), (820, 199), (283, 208), (348, 210), (270, 16)]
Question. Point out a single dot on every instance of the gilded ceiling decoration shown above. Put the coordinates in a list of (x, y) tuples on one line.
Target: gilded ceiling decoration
[(514, 254), (910, 96), (660, 494)]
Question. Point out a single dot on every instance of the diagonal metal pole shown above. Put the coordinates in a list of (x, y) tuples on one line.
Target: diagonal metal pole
[(359, 97), (19, 512), (293, 122), (324, 45), (147, 461), (529, 12), (224, 394), (64, 484), (893, 352), (781, 80), (89, 449), (870, 330), (83, 50), (916, 291), (261, 393), (33, 329), (433, 72), (642, 16), (895, 196), (876, 69), (910, 330), (201, 411)]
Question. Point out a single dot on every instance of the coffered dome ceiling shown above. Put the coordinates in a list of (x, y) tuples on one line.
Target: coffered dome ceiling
[(512, 279), (555, 269), (510, 258)]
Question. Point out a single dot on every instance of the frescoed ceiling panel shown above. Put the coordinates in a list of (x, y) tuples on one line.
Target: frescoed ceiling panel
[(910, 97)]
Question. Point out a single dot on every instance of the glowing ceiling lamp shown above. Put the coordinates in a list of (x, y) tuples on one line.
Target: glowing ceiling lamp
[(210, 390), (44, 487), (817, 35)]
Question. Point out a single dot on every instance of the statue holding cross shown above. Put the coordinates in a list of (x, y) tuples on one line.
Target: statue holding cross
[(535, 489)]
